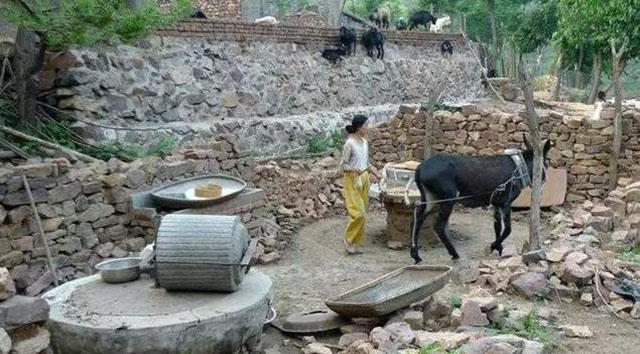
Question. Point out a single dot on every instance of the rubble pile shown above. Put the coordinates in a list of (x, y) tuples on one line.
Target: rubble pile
[(22, 320), (475, 324)]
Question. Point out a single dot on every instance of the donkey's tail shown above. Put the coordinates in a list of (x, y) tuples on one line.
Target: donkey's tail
[(407, 201)]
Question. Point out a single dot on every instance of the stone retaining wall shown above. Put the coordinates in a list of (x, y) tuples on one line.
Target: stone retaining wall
[(203, 78), (87, 214), (580, 145)]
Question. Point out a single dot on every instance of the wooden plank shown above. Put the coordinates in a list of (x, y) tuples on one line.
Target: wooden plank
[(554, 190)]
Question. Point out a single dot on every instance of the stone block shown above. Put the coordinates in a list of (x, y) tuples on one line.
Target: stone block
[(22, 310)]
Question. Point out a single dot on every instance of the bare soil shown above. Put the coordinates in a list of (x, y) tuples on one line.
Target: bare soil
[(316, 267)]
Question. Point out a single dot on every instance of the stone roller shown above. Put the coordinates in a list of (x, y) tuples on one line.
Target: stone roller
[(202, 252)]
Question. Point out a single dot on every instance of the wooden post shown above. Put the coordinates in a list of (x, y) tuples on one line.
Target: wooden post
[(617, 123), (434, 97), (533, 122), (556, 91)]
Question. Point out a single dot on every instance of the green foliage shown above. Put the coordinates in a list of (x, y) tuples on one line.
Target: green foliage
[(536, 28), (318, 144), (533, 329), (436, 348), (456, 301), (92, 22), (632, 255)]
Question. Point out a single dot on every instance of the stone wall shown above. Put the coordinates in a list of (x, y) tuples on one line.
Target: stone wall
[(580, 145), (193, 88), (87, 214)]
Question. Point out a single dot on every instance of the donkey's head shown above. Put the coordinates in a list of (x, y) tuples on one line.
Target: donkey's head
[(528, 157)]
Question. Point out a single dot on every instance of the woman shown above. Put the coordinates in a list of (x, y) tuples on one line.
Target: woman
[(356, 168)]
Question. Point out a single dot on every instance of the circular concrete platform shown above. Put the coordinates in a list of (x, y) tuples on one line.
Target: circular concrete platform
[(90, 316)]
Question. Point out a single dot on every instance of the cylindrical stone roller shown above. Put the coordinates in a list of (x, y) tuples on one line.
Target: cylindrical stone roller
[(201, 252)]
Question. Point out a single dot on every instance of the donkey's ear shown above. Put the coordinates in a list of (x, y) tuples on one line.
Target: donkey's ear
[(526, 142), (546, 146)]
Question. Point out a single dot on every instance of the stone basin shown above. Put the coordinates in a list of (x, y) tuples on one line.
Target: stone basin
[(90, 316)]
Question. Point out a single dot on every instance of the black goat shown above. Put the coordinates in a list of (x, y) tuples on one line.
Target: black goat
[(473, 181), (374, 39), (348, 38), (490, 73), (199, 14), (421, 18), (401, 24), (333, 55), (446, 47)]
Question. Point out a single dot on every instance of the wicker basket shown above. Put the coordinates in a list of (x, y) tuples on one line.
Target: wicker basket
[(391, 292)]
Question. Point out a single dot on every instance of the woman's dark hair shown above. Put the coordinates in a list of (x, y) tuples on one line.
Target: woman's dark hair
[(357, 121)]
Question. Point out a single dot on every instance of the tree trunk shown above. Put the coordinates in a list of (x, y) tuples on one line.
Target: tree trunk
[(556, 91), (28, 62), (617, 123), (491, 5), (533, 122), (579, 68), (595, 81)]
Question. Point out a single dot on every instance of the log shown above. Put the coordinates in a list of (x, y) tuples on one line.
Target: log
[(21, 135)]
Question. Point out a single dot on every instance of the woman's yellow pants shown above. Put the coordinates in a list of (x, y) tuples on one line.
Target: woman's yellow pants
[(356, 199)]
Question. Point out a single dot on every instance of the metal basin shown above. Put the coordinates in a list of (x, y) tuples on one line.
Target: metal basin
[(120, 270), (181, 194)]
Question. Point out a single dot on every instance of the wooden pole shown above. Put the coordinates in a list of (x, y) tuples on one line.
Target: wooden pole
[(536, 186), (51, 145), (43, 237), (617, 123)]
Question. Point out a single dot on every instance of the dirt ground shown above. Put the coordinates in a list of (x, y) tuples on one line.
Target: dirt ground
[(316, 267)]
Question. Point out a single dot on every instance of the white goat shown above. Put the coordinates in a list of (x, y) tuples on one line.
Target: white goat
[(440, 24), (267, 20)]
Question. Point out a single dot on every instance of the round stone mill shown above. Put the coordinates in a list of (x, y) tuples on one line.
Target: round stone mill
[(203, 300)]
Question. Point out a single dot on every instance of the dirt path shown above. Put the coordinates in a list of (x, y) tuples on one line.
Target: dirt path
[(316, 267)]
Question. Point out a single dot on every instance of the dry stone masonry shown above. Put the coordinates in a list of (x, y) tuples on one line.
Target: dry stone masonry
[(236, 76), (580, 144)]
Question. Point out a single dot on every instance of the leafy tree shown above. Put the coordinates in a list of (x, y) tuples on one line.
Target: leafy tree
[(606, 26), (91, 22), (57, 24)]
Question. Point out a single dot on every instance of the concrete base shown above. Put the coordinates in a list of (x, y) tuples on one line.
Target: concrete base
[(90, 316)]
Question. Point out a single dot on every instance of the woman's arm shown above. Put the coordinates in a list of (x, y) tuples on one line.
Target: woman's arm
[(347, 152)]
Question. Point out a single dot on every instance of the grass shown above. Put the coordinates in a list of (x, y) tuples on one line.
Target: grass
[(436, 348), (533, 329), (632, 255), (456, 301), (59, 131), (318, 144)]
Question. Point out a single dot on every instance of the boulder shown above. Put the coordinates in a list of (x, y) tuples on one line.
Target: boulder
[(347, 339), (415, 319), (30, 339), (380, 337), (472, 314), (577, 331), (401, 333), (22, 310), (531, 283)]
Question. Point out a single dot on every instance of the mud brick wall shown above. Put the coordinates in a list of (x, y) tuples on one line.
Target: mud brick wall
[(580, 145)]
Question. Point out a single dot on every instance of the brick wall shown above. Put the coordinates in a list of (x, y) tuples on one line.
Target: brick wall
[(242, 31)]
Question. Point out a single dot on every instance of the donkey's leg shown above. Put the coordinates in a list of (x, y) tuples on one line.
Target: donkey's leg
[(506, 217), (498, 217), (444, 212), (419, 215)]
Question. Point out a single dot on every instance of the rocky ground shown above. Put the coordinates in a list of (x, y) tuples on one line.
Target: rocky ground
[(484, 317)]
